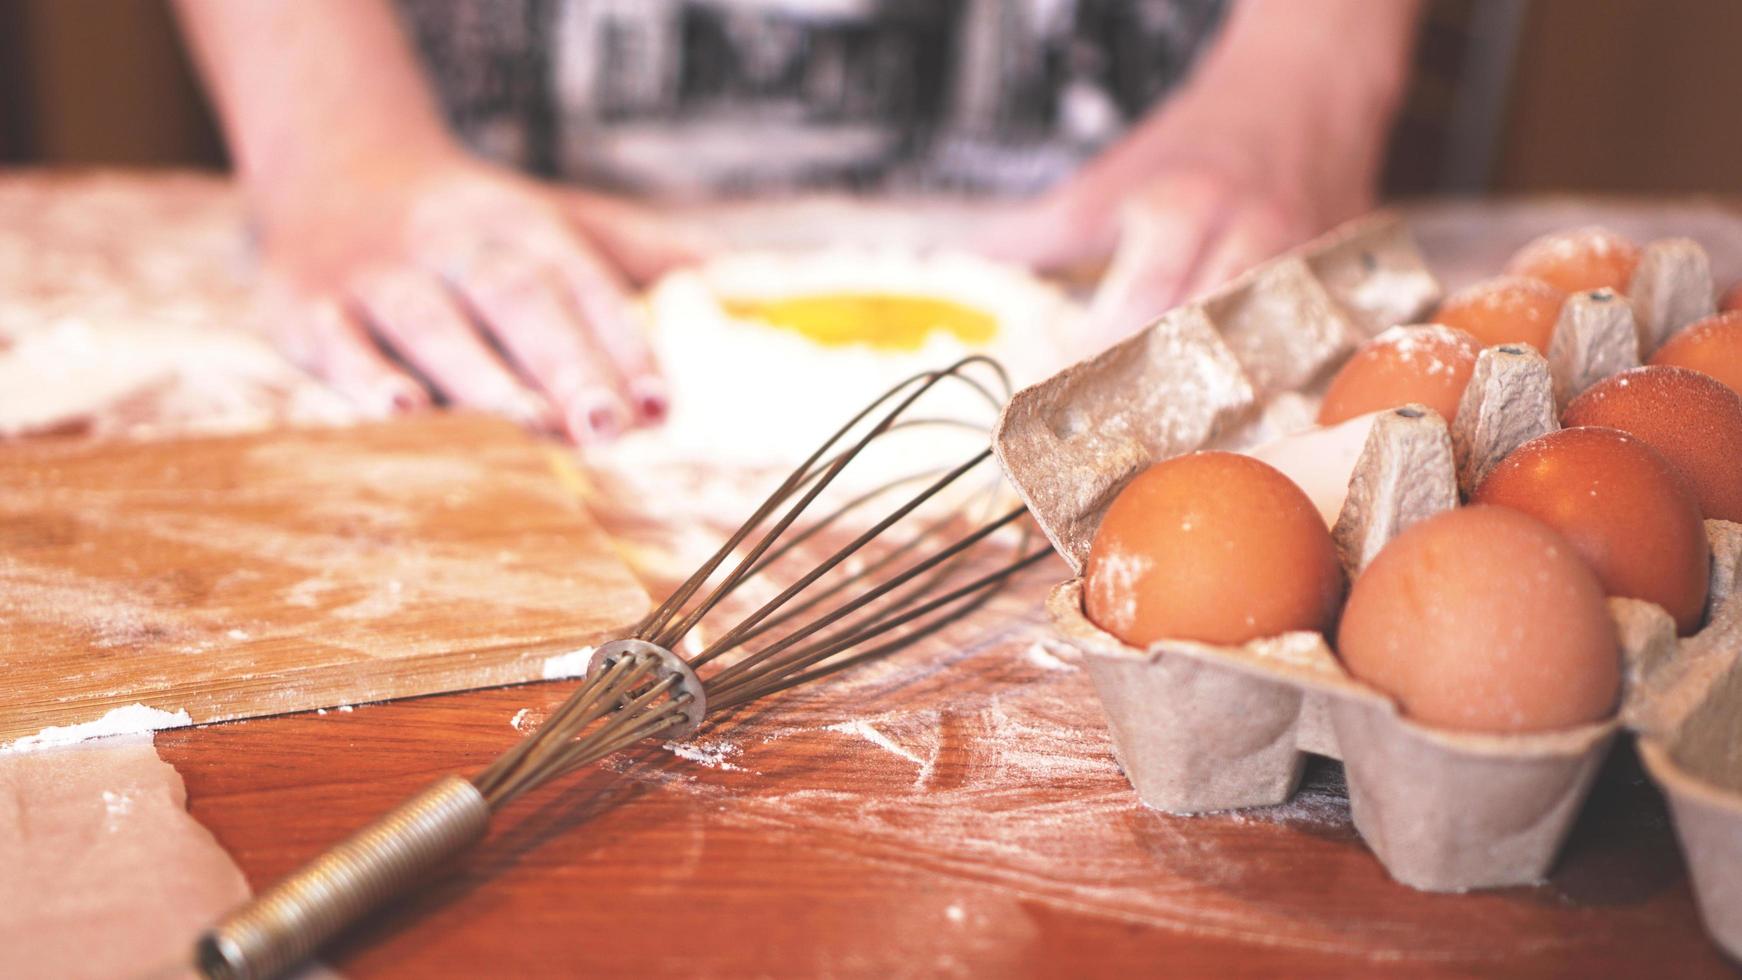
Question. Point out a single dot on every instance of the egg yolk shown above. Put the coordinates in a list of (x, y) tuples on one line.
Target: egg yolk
[(1428, 364), (1692, 420), (1508, 310), (1214, 547), (1712, 346), (1574, 261), (885, 321), (1624, 508), (1483, 619)]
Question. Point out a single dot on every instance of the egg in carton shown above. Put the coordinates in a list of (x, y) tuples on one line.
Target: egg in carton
[(1198, 727)]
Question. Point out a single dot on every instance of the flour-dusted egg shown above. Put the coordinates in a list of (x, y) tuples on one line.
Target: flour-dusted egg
[(1215, 547), (1627, 512), (1711, 346), (1483, 619), (1430, 364), (1507, 310), (1693, 420), (1577, 260)]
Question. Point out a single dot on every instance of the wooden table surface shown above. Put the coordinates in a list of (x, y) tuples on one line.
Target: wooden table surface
[(954, 810)]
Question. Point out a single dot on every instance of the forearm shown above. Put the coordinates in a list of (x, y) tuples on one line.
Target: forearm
[(308, 88), (1333, 69)]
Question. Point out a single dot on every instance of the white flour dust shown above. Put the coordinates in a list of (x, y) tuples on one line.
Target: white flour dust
[(1037, 654), (565, 665), (129, 720), (870, 733), (714, 754)]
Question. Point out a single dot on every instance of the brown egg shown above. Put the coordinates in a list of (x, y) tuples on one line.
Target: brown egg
[(1574, 261), (1731, 299), (1692, 420), (1214, 547), (1507, 310), (1627, 512), (1429, 364), (1482, 619), (1711, 346)]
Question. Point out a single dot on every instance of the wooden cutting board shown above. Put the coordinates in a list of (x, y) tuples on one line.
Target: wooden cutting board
[(237, 576)]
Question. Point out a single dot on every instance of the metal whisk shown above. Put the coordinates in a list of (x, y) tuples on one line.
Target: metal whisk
[(846, 610)]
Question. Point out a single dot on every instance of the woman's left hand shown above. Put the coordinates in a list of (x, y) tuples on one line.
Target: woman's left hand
[(1277, 136)]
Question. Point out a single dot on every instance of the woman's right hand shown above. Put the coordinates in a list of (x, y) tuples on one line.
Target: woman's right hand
[(401, 267), (475, 280)]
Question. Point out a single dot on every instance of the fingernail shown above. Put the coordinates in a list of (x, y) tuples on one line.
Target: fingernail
[(652, 402), (393, 397), (597, 419)]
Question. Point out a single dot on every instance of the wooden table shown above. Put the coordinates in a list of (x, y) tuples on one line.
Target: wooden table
[(952, 811)]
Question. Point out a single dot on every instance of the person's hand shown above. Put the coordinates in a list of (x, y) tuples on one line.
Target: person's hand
[(1204, 217), (1277, 137), (495, 291)]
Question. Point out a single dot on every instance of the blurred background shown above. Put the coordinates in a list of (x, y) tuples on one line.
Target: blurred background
[(1508, 95)]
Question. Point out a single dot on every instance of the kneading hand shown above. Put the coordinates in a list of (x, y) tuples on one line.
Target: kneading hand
[(1277, 136), (481, 282)]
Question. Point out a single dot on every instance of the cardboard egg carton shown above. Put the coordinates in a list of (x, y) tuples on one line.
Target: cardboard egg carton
[(1199, 727)]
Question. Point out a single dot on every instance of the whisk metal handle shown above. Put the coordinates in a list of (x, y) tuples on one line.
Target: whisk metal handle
[(286, 924)]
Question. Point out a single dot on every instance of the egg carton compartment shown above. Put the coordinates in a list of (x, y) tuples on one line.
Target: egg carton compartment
[(1203, 370), (1199, 727)]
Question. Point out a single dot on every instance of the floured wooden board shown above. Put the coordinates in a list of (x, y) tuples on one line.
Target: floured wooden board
[(238, 576)]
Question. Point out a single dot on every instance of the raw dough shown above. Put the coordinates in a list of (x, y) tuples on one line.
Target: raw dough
[(106, 875)]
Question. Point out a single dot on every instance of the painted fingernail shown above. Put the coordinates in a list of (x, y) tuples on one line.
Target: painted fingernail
[(652, 402), (393, 397), (598, 419)]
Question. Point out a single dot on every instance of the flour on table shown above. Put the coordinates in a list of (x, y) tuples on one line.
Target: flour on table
[(1037, 654), (870, 733), (132, 719), (714, 754), (564, 665)]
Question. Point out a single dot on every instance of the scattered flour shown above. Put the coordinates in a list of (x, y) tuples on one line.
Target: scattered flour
[(116, 804), (867, 731), (1038, 655), (1120, 573), (714, 755), (132, 719), (571, 664), (526, 721), (1322, 800)]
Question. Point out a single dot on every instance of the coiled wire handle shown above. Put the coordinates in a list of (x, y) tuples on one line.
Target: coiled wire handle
[(286, 924)]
